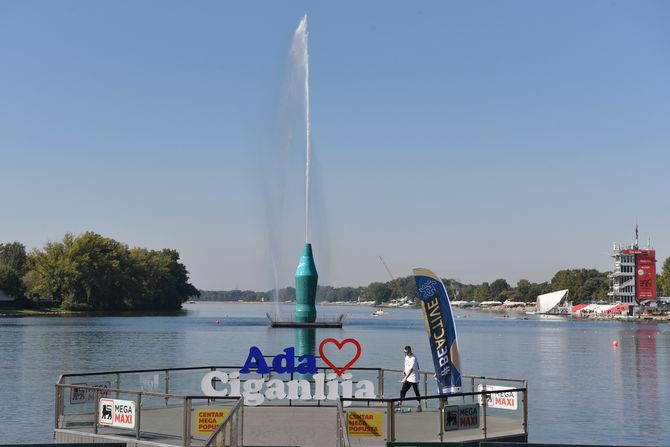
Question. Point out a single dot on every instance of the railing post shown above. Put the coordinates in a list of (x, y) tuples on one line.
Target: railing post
[(97, 411), (525, 408), (57, 409), (166, 388), (485, 404), (341, 424), (441, 419), (290, 401), (118, 384), (233, 431), (381, 383), (390, 425), (186, 430), (425, 387), (242, 424), (139, 416)]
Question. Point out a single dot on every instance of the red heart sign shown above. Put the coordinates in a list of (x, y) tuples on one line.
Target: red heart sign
[(340, 344)]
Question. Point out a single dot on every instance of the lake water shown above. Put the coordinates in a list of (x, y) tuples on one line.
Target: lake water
[(581, 388)]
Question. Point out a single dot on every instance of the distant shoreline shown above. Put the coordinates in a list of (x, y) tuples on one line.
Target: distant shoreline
[(13, 312), (55, 312), (493, 309)]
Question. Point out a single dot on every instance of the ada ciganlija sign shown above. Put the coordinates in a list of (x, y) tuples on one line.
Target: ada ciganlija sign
[(327, 386)]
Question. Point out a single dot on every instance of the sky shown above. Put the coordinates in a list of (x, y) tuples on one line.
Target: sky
[(479, 139)]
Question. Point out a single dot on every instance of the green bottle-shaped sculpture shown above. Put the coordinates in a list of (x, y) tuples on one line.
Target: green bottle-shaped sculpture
[(305, 287)]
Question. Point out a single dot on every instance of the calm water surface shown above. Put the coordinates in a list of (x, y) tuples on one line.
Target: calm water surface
[(581, 389)]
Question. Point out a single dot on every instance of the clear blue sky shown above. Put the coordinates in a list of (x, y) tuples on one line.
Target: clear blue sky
[(479, 139)]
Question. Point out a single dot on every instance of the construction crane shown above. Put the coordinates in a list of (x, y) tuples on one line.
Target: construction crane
[(393, 280), (387, 268)]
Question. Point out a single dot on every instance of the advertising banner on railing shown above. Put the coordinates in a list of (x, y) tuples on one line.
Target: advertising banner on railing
[(441, 330), (501, 399), (117, 413), (208, 419), (461, 417), (365, 423), (86, 395)]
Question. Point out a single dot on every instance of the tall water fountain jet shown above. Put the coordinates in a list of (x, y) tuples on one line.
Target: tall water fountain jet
[(306, 276)]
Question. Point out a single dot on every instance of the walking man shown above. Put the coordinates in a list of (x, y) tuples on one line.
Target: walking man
[(411, 377)]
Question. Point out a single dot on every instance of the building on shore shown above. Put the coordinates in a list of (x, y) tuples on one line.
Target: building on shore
[(633, 277)]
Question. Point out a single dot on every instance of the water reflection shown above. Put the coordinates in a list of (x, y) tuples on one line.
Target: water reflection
[(305, 343), (646, 383), (575, 375)]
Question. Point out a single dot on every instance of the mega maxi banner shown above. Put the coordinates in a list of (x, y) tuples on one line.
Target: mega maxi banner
[(441, 330)]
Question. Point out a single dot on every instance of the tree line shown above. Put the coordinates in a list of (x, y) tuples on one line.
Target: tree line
[(585, 285), (323, 294), (94, 273)]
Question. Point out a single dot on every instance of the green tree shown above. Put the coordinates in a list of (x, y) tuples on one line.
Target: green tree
[(483, 292), (13, 255), (498, 287), (468, 292), (524, 291), (10, 283), (378, 292), (51, 274), (97, 273), (584, 284), (159, 281), (664, 279), (406, 287), (102, 279), (12, 268)]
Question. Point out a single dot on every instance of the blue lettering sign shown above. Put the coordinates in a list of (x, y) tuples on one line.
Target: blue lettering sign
[(255, 361), (282, 363)]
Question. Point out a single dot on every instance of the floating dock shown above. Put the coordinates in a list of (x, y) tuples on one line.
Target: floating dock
[(291, 323), (161, 411)]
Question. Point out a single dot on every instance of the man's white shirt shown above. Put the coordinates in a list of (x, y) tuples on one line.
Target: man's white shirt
[(412, 363)]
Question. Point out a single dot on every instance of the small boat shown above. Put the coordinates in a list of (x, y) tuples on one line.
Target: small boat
[(378, 313)]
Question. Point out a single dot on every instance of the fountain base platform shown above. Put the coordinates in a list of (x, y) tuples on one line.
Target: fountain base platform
[(290, 323)]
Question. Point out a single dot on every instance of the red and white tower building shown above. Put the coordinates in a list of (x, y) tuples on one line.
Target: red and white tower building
[(633, 278)]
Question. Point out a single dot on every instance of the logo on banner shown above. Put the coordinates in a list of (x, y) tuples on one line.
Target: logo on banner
[(326, 386), (86, 395), (460, 417), (506, 399), (117, 413)]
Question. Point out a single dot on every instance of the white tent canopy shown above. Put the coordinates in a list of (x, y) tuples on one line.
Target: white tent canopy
[(548, 301)]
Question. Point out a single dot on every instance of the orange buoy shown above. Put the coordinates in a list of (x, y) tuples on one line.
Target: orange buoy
[(615, 344)]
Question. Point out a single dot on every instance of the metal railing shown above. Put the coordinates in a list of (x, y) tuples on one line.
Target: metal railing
[(174, 394), (492, 420), (342, 432), (234, 423)]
